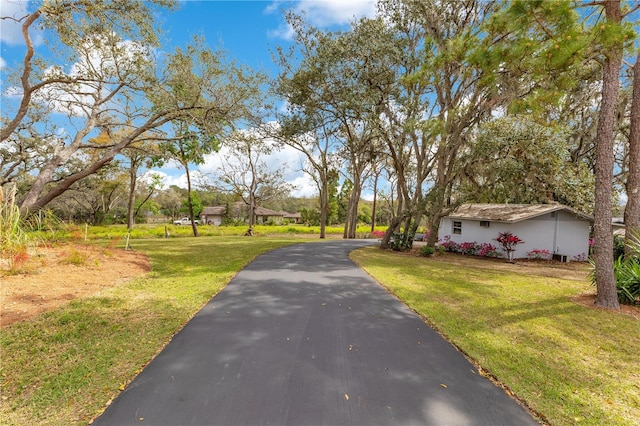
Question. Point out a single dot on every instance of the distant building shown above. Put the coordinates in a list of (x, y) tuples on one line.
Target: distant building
[(560, 230)]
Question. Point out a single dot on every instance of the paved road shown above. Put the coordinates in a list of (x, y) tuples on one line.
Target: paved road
[(302, 336)]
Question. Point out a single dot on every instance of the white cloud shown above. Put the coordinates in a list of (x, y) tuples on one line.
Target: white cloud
[(3, 63), (11, 32), (331, 12), (322, 13), (305, 187)]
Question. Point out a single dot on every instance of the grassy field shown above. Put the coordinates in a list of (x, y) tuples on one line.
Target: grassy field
[(572, 364), (62, 367), (119, 232)]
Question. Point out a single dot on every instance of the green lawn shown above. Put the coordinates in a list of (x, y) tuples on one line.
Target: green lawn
[(62, 367), (570, 363)]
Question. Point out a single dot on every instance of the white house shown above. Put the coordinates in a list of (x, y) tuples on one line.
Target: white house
[(560, 230)]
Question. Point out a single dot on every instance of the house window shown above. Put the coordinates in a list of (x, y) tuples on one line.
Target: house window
[(457, 227), (484, 223)]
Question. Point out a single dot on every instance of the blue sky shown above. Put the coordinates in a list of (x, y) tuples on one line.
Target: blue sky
[(248, 30)]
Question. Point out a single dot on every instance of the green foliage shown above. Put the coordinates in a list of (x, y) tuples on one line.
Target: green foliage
[(401, 241), (618, 246), (426, 251), (626, 271), (516, 160), (310, 217)]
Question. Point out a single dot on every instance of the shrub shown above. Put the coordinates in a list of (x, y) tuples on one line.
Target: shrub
[(538, 254), (627, 274), (468, 248), (449, 245), (426, 251), (508, 241), (488, 250), (401, 242), (377, 234), (582, 257), (618, 246)]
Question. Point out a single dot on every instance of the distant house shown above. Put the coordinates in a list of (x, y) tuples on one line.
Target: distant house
[(560, 230), (216, 214), (265, 215), (292, 217), (213, 215)]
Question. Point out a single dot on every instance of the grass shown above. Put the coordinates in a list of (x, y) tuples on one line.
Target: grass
[(119, 232), (570, 363), (63, 366)]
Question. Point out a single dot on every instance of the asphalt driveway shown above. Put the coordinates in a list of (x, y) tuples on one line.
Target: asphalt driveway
[(302, 336)]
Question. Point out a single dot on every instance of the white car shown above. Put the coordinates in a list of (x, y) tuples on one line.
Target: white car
[(185, 221)]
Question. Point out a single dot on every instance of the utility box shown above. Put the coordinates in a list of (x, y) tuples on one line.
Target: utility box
[(561, 257)]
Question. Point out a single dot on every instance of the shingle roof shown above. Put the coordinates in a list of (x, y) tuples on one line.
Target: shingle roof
[(510, 213), (261, 211), (214, 211)]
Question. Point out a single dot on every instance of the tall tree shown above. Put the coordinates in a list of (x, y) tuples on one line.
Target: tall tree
[(325, 93), (75, 22), (539, 44), (246, 173), (514, 159), (111, 81), (463, 89), (632, 209)]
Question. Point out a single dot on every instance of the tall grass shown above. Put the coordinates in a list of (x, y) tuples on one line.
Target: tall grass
[(13, 238)]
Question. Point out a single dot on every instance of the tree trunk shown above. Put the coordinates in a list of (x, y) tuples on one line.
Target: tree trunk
[(607, 296), (375, 196), (351, 221), (194, 227), (133, 173), (324, 205), (632, 209)]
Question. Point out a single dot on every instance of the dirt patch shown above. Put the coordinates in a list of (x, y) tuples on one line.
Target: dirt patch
[(53, 276), (589, 301)]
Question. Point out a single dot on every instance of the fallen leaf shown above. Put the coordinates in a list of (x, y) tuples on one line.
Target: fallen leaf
[(443, 385), (122, 386), (346, 396)]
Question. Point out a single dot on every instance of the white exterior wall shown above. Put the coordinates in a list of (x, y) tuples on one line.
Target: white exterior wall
[(563, 234), (215, 220)]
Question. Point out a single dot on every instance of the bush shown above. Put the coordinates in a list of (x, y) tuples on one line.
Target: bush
[(378, 234), (468, 248), (449, 245), (487, 250), (401, 242), (618, 246), (426, 251), (627, 274), (539, 254)]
